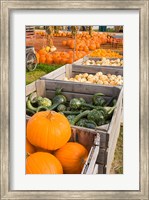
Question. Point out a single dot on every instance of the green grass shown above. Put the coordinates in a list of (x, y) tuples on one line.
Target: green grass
[(41, 70), (117, 165)]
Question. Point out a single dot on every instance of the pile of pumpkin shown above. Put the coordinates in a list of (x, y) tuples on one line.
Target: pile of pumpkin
[(86, 42), (40, 32), (48, 148), (98, 78), (107, 53), (104, 62), (58, 57), (62, 34)]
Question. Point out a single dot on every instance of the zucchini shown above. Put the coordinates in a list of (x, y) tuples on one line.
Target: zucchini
[(80, 116), (30, 112), (30, 106)]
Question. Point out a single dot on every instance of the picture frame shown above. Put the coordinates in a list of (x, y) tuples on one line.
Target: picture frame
[(6, 7)]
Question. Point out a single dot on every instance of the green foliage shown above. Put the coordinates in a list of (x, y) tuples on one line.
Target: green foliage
[(41, 70)]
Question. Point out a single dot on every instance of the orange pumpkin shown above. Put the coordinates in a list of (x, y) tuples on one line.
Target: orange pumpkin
[(48, 130), (42, 59), (43, 163), (29, 147), (49, 59), (64, 42), (72, 157)]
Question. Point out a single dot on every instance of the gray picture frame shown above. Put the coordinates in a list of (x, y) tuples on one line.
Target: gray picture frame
[(143, 7)]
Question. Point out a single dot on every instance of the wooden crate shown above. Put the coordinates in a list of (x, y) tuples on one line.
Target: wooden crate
[(70, 71), (118, 70), (47, 88), (90, 139), (108, 133)]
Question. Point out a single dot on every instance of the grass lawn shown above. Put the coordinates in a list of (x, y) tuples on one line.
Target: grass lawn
[(117, 165), (41, 70)]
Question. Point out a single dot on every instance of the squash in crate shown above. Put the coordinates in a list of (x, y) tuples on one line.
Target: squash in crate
[(72, 156), (48, 130), (43, 163)]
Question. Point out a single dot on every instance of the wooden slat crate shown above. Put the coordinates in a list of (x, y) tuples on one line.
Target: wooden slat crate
[(79, 64), (70, 71), (91, 141), (108, 133)]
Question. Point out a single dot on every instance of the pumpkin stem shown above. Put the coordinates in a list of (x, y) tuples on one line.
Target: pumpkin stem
[(50, 114)]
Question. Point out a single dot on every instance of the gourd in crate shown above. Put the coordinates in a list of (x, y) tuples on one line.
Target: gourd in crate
[(48, 130)]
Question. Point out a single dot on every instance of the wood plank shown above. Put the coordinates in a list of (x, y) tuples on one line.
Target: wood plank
[(82, 88), (101, 169), (83, 136), (117, 112), (97, 59), (102, 156), (30, 88), (92, 163), (104, 127), (95, 171), (77, 69), (104, 137), (68, 70), (60, 77), (40, 87), (69, 95), (55, 73)]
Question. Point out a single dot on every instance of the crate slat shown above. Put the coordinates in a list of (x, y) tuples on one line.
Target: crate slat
[(69, 72), (30, 88), (40, 87), (102, 156), (94, 69), (79, 88), (54, 74)]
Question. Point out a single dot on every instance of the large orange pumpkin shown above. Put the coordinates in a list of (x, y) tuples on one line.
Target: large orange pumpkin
[(48, 130), (72, 157), (43, 163)]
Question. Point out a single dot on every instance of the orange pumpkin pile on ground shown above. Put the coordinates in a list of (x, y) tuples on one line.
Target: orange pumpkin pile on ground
[(49, 130), (62, 34), (86, 42), (58, 57)]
